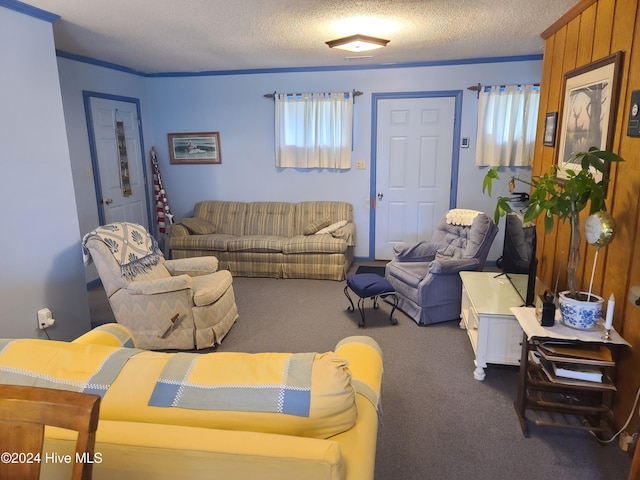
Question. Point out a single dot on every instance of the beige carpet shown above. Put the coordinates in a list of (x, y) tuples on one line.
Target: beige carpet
[(438, 422)]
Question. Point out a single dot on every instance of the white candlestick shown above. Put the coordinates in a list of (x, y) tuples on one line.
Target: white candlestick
[(610, 306)]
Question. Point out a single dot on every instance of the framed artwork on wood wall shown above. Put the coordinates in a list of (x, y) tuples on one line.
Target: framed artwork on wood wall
[(588, 110), (194, 148), (550, 122)]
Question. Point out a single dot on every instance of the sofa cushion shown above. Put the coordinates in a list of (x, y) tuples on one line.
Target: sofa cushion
[(135, 450), (332, 405), (69, 366), (215, 242), (307, 212), (198, 226), (257, 243), (228, 217), (273, 382), (314, 244), (269, 218), (316, 225), (332, 228), (193, 267), (410, 273)]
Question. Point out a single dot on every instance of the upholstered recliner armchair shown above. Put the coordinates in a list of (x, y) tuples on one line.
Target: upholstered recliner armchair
[(167, 304), (426, 276)]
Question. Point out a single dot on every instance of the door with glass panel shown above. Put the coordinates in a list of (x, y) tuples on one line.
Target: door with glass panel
[(118, 162)]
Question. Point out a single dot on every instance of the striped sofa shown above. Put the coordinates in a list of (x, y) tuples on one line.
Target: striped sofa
[(270, 239)]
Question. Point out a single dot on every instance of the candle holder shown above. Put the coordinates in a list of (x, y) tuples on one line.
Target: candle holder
[(606, 334)]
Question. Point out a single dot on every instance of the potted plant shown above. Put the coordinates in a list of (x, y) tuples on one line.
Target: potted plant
[(564, 198)]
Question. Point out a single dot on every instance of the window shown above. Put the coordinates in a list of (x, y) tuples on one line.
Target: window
[(314, 130), (507, 119)]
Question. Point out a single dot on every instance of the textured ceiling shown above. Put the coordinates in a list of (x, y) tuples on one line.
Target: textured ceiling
[(156, 36)]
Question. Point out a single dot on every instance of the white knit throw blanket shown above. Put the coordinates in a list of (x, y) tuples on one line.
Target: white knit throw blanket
[(461, 216), (131, 245)]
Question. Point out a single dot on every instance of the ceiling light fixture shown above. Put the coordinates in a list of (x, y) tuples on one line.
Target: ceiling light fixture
[(357, 43)]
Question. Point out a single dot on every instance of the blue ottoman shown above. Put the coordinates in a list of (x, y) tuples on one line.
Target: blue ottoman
[(370, 285)]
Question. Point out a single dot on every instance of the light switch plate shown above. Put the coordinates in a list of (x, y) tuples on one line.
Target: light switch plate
[(633, 126)]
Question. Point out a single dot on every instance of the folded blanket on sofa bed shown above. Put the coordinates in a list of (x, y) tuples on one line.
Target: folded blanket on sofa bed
[(331, 404), (308, 395), (270, 382), (64, 366)]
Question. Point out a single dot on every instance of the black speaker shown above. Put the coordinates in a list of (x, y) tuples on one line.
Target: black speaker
[(546, 310)]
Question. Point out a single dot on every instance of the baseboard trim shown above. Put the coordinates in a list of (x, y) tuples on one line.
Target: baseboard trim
[(93, 284)]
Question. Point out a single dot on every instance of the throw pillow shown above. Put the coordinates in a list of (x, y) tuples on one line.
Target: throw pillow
[(316, 225), (198, 226), (332, 228)]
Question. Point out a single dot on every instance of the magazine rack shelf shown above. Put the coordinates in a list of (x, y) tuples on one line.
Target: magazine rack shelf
[(550, 356)]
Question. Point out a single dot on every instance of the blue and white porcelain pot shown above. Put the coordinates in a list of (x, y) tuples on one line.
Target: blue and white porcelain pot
[(580, 314)]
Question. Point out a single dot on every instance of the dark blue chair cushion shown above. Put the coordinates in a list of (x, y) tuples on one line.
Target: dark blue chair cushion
[(369, 285)]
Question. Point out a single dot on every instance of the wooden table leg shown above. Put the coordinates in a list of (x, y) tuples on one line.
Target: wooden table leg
[(521, 401)]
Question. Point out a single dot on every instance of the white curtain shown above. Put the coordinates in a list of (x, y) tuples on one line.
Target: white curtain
[(507, 119), (313, 130)]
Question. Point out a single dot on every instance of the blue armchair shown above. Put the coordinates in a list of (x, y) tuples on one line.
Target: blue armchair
[(426, 276)]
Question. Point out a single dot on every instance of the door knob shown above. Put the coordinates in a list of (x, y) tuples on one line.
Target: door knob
[(380, 195), (108, 201)]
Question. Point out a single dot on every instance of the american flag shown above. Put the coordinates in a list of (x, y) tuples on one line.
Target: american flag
[(162, 204)]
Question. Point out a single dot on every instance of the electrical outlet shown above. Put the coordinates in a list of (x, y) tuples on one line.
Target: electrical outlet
[(626, 440), (361, 165), (45, 319)]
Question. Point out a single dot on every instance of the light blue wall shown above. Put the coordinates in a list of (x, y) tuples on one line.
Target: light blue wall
[(234, 106), (41, 261), (76, 77), (47, 188)]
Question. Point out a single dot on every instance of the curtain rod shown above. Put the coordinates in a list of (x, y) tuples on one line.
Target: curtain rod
[(273, 95), (478, 87)]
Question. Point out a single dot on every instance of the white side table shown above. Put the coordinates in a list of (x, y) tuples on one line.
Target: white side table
[(493, 330)]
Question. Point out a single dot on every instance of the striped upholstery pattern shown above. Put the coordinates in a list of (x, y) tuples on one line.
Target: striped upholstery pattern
[(269, 218), (314, 244), (215, 242), (308, 212), (255, 264), (226, 217), (266, 239), (257, 243), (320, 266)]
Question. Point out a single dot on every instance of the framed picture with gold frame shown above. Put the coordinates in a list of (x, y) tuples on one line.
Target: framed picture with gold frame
[(194, 148), (588, 110)]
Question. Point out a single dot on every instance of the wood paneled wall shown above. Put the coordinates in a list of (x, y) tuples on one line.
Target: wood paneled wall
[(591, 30)]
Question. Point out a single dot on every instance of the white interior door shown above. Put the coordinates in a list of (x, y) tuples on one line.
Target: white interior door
[(414, 157), (119, 204)]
